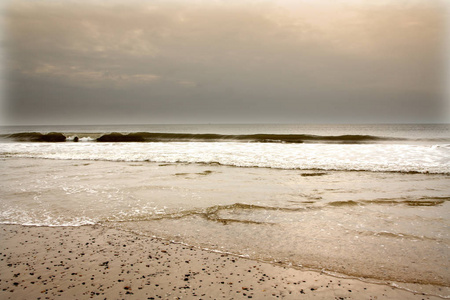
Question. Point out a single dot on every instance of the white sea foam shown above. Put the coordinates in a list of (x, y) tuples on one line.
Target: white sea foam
[(81, 139), (368, 157)]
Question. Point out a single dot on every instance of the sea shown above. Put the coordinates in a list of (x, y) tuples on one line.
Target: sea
[(369, 201)]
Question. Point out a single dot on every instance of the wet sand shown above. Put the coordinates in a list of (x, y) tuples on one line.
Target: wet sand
[(105, 263)]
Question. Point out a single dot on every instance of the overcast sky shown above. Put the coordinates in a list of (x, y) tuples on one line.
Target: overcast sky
[(234, 61)]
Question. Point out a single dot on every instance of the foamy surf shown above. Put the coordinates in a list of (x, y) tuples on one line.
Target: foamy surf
[(360, 157)]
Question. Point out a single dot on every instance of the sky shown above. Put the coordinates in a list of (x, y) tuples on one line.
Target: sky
[(235, 61)]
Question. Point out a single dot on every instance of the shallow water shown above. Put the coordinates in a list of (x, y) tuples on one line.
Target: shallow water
[(373, 225)]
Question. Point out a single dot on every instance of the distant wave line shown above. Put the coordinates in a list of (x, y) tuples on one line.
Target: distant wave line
[(201, 137)]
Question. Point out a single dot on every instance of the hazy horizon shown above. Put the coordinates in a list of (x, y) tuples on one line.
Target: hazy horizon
[(225, 124), (224, 62)]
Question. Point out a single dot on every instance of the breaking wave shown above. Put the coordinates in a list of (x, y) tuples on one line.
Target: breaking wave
[(261, 138), (37, 137), (184, 137), (321, 157)]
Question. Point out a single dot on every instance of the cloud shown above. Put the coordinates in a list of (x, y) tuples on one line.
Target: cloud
[(188, 84), (78, 76), (227, 60)]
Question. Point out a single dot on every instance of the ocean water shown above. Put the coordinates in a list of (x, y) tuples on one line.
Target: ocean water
[(364, 201)]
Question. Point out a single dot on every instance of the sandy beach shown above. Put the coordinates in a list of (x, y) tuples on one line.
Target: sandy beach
[(104, 263)]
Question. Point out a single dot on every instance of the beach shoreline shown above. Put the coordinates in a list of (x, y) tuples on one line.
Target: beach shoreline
[(94, 261)]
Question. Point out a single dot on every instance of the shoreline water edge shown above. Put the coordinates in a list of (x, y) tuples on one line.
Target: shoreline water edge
[(311, 235), (92, 261)]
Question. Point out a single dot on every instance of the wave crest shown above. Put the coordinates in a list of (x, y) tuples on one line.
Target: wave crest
[(38, 137), (115, 137), (259, 138)]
